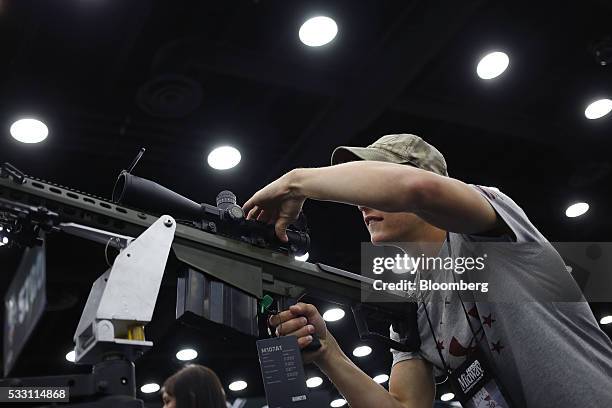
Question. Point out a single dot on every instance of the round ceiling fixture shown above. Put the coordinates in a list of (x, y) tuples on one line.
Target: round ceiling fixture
[(224, 158), (302, 258), (186, 354), (150, 388), (318, 31), (314, 382), (29, 130), (362, 351), (169, 96), (381, 378), (576, 210), (602, 51), (71, 356), (333, 315), (447, 397), (598, 109), (492, 65), (238, 385)]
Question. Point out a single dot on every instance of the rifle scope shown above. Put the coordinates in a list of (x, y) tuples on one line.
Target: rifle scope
[(227, 217)]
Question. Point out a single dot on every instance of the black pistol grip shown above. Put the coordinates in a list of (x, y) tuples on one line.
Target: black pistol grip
[(314, 345)]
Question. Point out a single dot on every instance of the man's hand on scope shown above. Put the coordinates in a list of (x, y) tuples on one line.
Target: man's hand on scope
[(303, 320), (277, 203)]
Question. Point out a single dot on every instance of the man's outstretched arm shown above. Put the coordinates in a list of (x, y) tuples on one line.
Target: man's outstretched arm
[(444, 202)]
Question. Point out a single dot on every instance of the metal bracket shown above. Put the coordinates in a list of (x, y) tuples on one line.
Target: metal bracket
[(122, 300)]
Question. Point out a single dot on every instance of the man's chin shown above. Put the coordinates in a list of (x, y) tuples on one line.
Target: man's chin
[(378, 240)]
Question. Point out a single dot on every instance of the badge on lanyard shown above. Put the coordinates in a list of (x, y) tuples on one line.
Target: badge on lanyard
[(474, 384)]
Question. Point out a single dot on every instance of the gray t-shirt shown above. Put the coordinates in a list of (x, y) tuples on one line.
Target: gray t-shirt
[(545, 354)]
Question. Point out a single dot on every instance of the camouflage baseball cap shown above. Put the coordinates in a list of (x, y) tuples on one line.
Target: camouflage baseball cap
[(401, 148)]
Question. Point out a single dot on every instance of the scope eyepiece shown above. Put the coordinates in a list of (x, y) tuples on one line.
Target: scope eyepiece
[(299, 242)]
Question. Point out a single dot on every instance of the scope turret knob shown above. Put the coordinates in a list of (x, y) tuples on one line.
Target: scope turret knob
[(235, 212), (225, 199)]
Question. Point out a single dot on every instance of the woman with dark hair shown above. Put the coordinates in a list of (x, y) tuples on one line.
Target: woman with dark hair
[(194, 386)]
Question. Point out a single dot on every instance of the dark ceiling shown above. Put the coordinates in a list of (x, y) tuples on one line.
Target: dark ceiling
[(181, 77)]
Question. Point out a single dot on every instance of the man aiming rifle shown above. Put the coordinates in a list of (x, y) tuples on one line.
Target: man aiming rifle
[(543, 354)]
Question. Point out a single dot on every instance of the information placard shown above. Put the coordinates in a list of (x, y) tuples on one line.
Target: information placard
[(283, 372)]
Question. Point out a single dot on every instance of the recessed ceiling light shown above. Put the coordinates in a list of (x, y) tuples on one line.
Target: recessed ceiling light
[(606, 320), (238, 385), (149, 388), (362, 351), (318, 31), (447, 397), (381, 378), (186, 354), (4, 241), (598, 109), (303, 258), (492, 65), (333, 315), (224, 157), (340, 402), (71, 356), (576, 210), (313, 382), (29, 130)]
